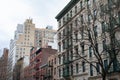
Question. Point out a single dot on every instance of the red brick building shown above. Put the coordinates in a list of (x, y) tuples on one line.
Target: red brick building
[(27, 73), (38, 58), (3, 64)]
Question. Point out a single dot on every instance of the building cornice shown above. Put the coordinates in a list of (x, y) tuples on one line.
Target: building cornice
[(68, 7)]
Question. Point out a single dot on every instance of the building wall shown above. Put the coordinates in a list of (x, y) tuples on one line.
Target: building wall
[(70, 22), (3, 64), (44, 36), (39, 58), (26, 40), (52, 67)]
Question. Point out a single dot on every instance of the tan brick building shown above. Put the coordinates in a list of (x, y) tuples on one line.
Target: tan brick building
[(43, 36)]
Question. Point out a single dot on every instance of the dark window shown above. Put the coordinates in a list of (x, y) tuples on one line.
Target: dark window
[(81, 19), (90, 51), (71, 55), (93, 1), (59, 23), (54, 71), (89, 18), (95, 13), (59, 59), (103, 27), (55, 61), (105, 64), (59, 47), (75, 9), (81, 5), (91, 70), (59, 72), (104, 45), (76, 37), (63, 20), (76, 22), (96, 47), (67, 16), (70, 13), (63, 58), (119, 17), (63, 44), (71, 69), (95, 31), (98, 67), (76, 50), (77, 68), (88, 4), (82, 46), (83, 66)]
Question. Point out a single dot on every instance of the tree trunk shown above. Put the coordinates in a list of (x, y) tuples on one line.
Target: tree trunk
[(103, 77)]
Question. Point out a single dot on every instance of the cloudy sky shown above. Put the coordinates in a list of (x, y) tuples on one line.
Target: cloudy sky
[(12, 12)]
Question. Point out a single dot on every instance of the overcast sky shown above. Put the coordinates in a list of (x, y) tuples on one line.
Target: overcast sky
[(13, 12)]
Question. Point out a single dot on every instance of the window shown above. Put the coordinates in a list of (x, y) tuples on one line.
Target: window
[(76, 50), (59, 47), (105, 64), (89, 18), (119, 17), (63, 20), (96, 47), (110, 2), (59, 59), (63, 58), (82, 46), (67, 70), (81, 5), (71, 69), (82, 33), (70, 28), (94, 13), (70, 13), (76, 37), (67, 16), (83, 66), (90, 51), (88, 4), (77, 68), (95, 31), (59, 72), (71, 55), (55, 61), (94, 1), (54, 71), (75, 9), (103, 27), (59, 23), (81, 19), (104, 45), (63, 44), (98, 67), (76, 22), (91, 70), (64, 32), (68, 55), (63, 71)]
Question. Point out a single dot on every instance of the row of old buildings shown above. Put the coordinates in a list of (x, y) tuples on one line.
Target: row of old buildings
[(88, 40), (39, 68), (26, 37)]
